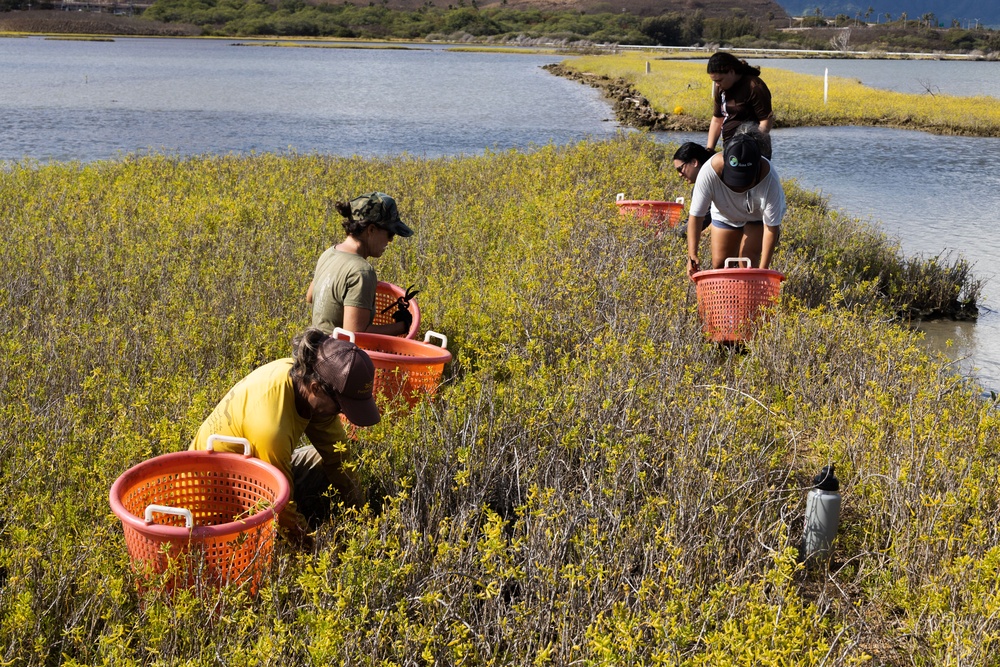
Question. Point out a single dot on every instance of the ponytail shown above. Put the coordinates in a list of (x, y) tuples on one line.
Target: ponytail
[(351, 226)]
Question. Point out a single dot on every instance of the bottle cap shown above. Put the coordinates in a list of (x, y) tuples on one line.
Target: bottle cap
[(826, 480)]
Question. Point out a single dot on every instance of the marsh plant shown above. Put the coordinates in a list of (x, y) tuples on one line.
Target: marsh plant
[(594, 483), (798, 98)]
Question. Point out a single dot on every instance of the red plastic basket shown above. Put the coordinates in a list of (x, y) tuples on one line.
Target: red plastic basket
[(403, 367), (649, 212), (386, 295), (731, 300), (208, 515)]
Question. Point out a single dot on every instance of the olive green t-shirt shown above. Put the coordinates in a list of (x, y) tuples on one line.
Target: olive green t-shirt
[(341, 279)]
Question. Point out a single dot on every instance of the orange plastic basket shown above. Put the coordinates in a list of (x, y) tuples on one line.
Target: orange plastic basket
[(731, 300), (650, 213), (386, 295), (403, 367), (208, 516)]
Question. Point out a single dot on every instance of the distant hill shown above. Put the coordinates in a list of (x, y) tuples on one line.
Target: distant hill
[(763, 9), (966, 12)]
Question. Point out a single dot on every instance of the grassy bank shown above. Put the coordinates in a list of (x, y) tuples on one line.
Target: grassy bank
[(595, 483), (56, 22), (682, 90)]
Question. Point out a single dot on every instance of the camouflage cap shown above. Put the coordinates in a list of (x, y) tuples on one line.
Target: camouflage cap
[(379, 209)]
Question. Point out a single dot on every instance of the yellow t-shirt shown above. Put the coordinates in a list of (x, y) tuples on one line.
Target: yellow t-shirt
[(261, 408)]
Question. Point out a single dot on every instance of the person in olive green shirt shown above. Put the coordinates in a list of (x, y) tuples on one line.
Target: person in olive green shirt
[(343, 288), (278, 403)]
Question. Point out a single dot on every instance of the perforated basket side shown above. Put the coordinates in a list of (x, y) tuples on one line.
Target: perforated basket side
[(409, 381), (406, 368), (730, 308), (233, 503), (217, 561), (652, 213)]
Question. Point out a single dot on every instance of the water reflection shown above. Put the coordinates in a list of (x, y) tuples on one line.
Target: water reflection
[(972, 346), (71, 100)]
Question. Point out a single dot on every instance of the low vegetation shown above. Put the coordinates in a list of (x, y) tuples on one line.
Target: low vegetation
[(594, 484), (843, 35), (713, 23), (680, 92), (53, 22)]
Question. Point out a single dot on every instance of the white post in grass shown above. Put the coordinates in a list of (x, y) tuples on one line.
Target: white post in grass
[(647, 67), (826, 83)]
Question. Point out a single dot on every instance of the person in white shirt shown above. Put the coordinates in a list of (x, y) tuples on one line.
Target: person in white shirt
[(743, 192)]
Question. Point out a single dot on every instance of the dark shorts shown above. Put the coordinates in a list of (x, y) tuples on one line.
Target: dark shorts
[(726, 225)]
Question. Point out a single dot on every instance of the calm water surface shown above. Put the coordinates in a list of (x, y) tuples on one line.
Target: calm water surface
[(948, 77), (70, 100), (77, 100)]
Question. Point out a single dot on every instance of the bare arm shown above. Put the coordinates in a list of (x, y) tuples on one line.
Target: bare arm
[(357, 319), (309, 293), (714, 132), (693, 238), (768, 244), (766, 125)]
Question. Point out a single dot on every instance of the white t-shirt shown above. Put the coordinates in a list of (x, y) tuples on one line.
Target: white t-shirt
[(765, 201)]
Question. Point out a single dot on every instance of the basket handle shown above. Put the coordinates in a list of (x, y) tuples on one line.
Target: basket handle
[(680, 200), (620, 197), (435, 334), (176, 511), (343, 333), (738, 260), (215, 437)]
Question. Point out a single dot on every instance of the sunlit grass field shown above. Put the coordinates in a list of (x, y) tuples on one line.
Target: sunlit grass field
[(594, 484), (677, 87)]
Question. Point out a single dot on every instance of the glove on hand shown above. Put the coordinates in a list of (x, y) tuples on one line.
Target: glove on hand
[(405, 316)]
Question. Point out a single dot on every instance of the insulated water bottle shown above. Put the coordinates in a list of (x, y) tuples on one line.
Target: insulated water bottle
[(822, 514)]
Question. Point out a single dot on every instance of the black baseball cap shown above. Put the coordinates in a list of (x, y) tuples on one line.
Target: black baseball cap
[(741, 161)]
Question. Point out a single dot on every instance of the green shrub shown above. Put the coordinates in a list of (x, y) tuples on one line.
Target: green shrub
[(594, 482)]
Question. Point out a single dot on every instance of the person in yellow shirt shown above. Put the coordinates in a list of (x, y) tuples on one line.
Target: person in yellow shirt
[(278, 403)]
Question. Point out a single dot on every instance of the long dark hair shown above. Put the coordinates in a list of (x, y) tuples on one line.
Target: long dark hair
[(722, 62), (305, 353), (689, 151)]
